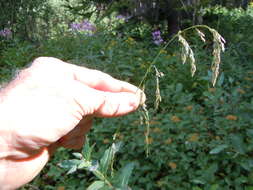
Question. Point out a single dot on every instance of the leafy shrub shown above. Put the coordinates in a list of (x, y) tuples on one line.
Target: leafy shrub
[(200, 136)]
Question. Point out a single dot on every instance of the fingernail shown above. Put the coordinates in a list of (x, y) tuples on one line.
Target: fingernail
[(138, 99), (141, 97)]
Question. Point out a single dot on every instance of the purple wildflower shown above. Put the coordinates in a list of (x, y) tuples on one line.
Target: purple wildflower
[(83, 26), (86, 25), (157, 37), (75, 26), (123, 17), (6, 33)]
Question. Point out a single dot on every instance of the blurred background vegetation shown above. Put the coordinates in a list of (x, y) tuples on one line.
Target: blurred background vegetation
[(201, 137)]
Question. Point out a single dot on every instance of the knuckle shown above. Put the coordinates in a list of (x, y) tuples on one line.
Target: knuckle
[(39, 60)]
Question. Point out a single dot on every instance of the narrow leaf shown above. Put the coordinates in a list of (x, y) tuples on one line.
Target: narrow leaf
[(87, 150), (72, 170), (125, 174), (67, 164), (78, 155), (108, 156), (199, 181), (106, 160), (218, 149), (96, 185)]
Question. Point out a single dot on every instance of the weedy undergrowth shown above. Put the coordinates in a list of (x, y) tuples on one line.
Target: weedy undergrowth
[(106, 177)]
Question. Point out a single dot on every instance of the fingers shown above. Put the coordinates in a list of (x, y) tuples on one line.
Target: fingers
[(105, 104), (101, 81), (76, 138), (93, 78)]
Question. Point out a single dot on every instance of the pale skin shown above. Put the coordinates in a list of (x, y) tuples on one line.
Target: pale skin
[(52, 104)]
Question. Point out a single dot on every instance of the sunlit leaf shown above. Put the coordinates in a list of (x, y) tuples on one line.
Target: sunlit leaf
[(71, 165), (87, 150), (67, 164), (96, 185), (78, 155), (218, 149), (125, 174), (199, 181), (84, 164), (107, 158)]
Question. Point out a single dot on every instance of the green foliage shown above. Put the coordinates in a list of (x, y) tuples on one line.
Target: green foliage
[(21, 16), (234, 24), (100, 168), (201, 137)]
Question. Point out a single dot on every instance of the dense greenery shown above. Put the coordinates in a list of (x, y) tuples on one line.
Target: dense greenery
[(201, 137)]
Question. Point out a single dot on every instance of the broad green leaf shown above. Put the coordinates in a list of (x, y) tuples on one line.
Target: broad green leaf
[(249, 188), (96, 185), (107, 158), (238, 144), (125, 174), (67, 164), (72, 170), (199, 181), (218, 149), (71, 165)]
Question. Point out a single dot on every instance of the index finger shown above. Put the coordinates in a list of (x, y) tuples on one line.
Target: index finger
[(101, 81)]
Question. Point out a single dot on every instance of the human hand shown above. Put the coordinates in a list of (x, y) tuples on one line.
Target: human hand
[(51, 104)]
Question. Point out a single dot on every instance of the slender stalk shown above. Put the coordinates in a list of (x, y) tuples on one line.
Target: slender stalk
[(171, 40), (144, 110)]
